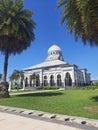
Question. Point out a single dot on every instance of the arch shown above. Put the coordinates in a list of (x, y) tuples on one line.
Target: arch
[(21, 84), (59, 80), (51, 80), (37, 80), (26, 82), (45, 81), (68, 80), (30, 80)]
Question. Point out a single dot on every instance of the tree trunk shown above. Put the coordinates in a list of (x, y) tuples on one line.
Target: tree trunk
[(4, 85), (5, 66)]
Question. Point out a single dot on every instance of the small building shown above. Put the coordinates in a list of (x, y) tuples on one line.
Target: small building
[(54, 71)]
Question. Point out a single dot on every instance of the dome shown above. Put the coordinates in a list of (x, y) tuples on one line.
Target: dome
[(54, 48), (54, 53)]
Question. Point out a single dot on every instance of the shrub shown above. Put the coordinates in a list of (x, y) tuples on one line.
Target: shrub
[(50, 87), (4, 89), (92, 87), (14, 87)]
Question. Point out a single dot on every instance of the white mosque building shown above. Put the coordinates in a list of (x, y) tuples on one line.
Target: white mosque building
[(54, 71)]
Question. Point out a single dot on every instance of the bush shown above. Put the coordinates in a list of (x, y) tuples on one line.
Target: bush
[(50, 87), (4, 89), (13, 87), (92, 87)]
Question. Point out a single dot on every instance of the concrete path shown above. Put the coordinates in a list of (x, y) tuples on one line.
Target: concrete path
[(12, 118), (37, 91), (16, 122)]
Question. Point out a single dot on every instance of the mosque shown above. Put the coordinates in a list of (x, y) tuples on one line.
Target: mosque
[(54, 71)]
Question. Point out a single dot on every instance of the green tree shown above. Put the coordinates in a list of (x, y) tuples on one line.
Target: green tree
[(33, 77), (16, 76), (0, 76), (81, 18), (16, 30)]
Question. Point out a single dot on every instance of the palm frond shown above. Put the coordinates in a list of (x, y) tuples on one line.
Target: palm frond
[(81, 18)]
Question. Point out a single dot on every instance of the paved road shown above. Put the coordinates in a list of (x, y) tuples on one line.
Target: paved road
[(16, 122)]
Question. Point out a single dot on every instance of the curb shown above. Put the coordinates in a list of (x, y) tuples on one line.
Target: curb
[(71, 120)]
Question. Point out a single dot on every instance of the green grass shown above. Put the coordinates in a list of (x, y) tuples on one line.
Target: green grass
[(82, 103)]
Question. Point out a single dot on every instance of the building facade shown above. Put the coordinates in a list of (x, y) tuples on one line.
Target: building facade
[(54, 71)]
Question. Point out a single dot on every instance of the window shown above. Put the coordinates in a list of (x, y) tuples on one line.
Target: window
[(58, 80), (51, 80), (45, 81), (68, 80)]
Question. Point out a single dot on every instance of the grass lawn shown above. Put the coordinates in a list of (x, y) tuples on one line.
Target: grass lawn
[(82, 103)]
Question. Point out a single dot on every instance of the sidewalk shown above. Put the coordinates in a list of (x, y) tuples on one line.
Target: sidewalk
[(38, 91), (16, 122), (12, 118)]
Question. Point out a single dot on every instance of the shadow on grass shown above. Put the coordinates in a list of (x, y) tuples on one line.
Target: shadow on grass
[(95, 98), (41, 94)]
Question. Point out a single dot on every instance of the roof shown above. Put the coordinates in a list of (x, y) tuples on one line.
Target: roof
[(47, 64)]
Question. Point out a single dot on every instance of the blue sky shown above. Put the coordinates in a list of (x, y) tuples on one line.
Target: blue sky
[(49, 31)]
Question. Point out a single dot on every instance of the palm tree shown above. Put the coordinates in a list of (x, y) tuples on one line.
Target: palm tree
[(0, 76), (17, 75), (16, 29), (33, 77), (81, 18)]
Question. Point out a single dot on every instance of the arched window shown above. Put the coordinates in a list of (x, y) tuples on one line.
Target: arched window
[(37, 80), (58, 80), (21, 84), (30, 80), (26, 82), (51, 80), (45, 81), (68, 80)]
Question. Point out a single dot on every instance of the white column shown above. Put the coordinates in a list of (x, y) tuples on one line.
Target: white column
[(10, 84), (48, 79), (73, 77), (63, 79), (23, 84), (41, 77), (55, 81)]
